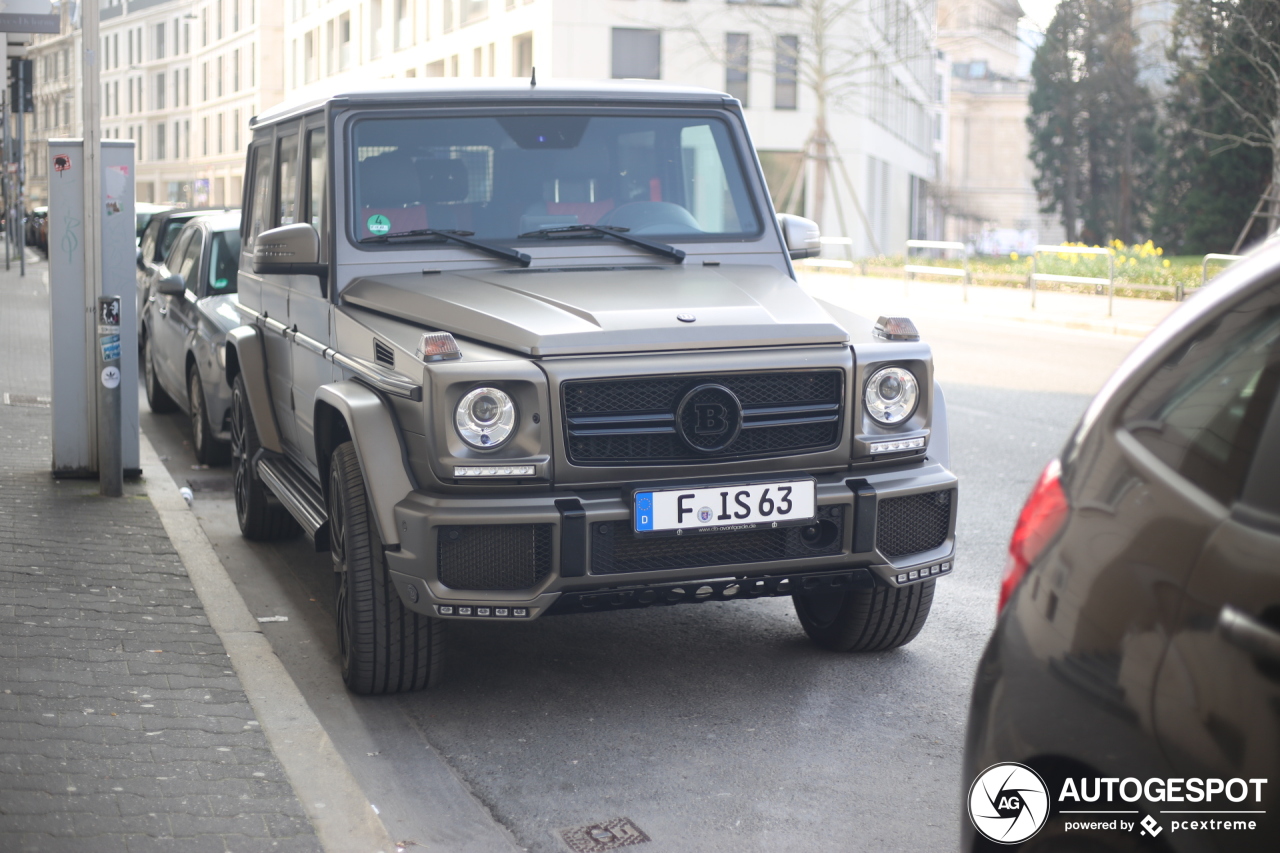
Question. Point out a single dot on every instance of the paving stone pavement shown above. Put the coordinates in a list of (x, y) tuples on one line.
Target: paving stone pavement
[(122, 724)]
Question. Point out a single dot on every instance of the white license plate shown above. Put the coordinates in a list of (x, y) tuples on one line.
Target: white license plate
[(736, 507)]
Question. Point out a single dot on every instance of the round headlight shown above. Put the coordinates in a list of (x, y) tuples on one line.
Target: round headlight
[(485, 418), (891, 395)]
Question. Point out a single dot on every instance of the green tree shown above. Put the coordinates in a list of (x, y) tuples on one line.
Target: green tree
[(1057, 113), (1219, 138), (1091, 122)]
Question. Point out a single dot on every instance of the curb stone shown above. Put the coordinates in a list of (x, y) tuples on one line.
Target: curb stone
[(343, 818)]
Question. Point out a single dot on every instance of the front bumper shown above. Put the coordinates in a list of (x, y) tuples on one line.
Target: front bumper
[(583, 534)]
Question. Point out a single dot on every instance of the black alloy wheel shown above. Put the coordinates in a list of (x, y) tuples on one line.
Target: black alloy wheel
[(260, 517), (385, 647)]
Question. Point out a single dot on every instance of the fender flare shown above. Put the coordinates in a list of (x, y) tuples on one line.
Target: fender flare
[(379, 448), (246, 355), (939, 432)]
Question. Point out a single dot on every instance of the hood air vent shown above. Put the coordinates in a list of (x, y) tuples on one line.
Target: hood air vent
[(383, 354)]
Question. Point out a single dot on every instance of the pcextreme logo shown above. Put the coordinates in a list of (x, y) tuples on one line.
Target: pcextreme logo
[(1009, 803)]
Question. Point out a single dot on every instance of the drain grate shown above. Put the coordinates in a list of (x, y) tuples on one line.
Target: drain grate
[(33, 401), (612, 834)]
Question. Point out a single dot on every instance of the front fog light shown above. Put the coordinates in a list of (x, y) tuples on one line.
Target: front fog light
[(485, 418), (891, 395)]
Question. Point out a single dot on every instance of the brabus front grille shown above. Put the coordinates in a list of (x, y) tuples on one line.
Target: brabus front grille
[(634, 421)]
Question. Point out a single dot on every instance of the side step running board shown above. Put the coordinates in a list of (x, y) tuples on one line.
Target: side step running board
[(298, 494)]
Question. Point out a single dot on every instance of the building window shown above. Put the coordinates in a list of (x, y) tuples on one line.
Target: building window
[(204, 136), (404, 24), (376, 29), (253, 63), (186, 87), (235, 130), (218, 77), (218, 137), (522, 55), (477, 63), (235, 16), (435, 69), (160, 141), (159, 94), (474, 10), (217, 21), (344, 41), (186, 137), (160, 44), (453, 65), (447, 18), (637, 53), (235, 68), (785, 77), (737, 52)]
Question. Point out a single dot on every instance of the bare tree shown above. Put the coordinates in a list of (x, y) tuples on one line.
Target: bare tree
[(1242, 32), (843, 53)]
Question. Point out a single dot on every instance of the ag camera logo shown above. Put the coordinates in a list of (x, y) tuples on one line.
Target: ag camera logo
[(1008, 803)]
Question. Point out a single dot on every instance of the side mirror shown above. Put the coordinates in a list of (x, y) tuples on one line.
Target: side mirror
[(802, 236), (289, 250), (171, 284)]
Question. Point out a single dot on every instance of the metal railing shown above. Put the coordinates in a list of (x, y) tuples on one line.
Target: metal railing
[(1109, 281), (961, 272), (1204, 269)]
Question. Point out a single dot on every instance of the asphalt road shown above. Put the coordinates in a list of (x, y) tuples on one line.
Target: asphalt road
[(715, 727)]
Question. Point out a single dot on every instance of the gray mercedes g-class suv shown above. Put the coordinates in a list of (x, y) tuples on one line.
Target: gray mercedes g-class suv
[(514, 350)]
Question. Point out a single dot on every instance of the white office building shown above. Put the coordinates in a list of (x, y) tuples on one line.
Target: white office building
[(183, 78)]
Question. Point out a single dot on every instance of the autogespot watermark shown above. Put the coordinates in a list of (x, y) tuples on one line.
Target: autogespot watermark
[(1009, 803)]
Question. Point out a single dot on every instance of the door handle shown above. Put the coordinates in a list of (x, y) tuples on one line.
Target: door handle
[(1243, 631)]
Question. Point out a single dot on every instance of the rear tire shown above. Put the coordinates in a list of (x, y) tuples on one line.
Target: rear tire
[(209, 451), (260, 517), (385, 647), (159, 401), (873, 620)]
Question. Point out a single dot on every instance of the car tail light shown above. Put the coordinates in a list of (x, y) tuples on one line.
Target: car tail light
[(1042, 517)]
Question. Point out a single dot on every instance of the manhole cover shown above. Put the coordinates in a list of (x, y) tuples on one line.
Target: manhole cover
[(32, 400), (613, 834)]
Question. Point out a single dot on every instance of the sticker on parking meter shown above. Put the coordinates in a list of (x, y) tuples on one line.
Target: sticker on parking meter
[(378, 224), (111, 376)]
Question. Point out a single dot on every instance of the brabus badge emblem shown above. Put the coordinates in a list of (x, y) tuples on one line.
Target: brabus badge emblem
[(686, 318)]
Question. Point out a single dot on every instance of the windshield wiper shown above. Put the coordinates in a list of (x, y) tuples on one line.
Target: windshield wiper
[(612, 231), (462, 237)]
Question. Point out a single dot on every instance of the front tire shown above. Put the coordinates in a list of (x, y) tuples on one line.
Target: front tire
[(209, 451), (159, 401), (260, 518), (385, 646), (873, 620)]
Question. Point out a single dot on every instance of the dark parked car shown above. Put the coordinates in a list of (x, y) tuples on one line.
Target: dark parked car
[(1135, 666), (185, 329), (157, 239)]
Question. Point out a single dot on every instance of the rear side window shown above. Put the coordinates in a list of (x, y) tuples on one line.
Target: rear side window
[(172, 228), (189, 264), (224, 258), (1203, 412), (287, 186), (259, 213)]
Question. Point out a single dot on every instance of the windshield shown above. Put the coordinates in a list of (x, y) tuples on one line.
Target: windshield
[(498, 177), (224, 257)]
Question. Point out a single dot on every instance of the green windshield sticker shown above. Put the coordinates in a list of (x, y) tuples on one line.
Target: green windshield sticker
[(378, 224), (220, 283)]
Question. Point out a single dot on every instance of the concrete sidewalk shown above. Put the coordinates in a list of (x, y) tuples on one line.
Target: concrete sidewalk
[(123, 724), (874, 296)]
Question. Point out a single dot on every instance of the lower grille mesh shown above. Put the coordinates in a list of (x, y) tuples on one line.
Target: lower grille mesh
[(494, 556), (616, 549), (913, 524)]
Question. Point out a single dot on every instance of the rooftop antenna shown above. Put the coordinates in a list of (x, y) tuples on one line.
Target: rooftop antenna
[(533, 78)]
